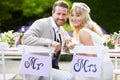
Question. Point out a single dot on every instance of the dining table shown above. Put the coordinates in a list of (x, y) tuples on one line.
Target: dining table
[(10, 53)]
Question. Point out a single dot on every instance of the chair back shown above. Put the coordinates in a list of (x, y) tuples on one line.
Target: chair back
[(36, 60), (87, 66), (3, 46)]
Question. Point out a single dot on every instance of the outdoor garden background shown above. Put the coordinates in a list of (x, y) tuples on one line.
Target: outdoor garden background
[(17, 13), (14, 14)]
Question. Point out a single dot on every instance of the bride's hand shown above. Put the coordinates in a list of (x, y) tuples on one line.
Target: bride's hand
[(71, 45)]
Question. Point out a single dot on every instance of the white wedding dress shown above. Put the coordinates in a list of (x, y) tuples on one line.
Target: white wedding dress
[(107, 66)]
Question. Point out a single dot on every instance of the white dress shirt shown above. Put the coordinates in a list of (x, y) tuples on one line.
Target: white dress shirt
[(56, 28)]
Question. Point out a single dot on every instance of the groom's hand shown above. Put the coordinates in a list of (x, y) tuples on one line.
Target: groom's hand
[(57, 46)]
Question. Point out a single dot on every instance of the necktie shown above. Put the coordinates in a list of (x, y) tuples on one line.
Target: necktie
[(60, 40), (57, 36), (56, 57)]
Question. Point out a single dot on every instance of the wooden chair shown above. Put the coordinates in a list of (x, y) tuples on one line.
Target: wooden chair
[(4, 76), (116, 73), (100, 50), (115, 57), (41, 50)]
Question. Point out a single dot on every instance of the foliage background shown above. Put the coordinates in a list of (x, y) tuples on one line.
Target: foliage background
[(16, 13)]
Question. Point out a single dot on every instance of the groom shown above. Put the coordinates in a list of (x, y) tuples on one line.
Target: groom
[(49, 31)]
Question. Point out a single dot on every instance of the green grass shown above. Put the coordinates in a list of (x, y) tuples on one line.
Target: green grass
[(66, 57)]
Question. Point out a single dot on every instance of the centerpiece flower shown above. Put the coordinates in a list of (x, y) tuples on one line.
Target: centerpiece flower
[(9, 37), (115, 39)]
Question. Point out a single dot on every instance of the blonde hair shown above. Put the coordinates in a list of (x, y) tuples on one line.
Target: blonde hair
[(83, 10)]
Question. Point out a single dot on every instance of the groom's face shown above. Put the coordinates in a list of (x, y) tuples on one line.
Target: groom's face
[(60, 15)]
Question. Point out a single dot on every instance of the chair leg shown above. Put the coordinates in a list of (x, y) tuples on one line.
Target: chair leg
[(113, 76), (116, 76)]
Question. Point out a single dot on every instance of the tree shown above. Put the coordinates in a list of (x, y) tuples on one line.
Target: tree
[(14, 14)]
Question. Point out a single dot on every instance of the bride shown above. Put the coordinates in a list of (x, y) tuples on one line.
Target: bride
[(88, 33)]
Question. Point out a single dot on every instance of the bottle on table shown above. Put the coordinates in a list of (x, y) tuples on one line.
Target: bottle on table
[(21, 36)]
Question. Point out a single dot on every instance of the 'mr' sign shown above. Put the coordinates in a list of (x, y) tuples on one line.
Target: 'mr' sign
[(35, 65)]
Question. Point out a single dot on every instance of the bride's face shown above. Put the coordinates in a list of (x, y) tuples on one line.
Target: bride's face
[(75, 19)]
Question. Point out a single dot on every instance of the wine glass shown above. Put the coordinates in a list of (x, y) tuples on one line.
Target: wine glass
[(107, 38)]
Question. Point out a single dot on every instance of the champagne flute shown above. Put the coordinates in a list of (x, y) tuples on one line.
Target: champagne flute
[(107, 38)]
